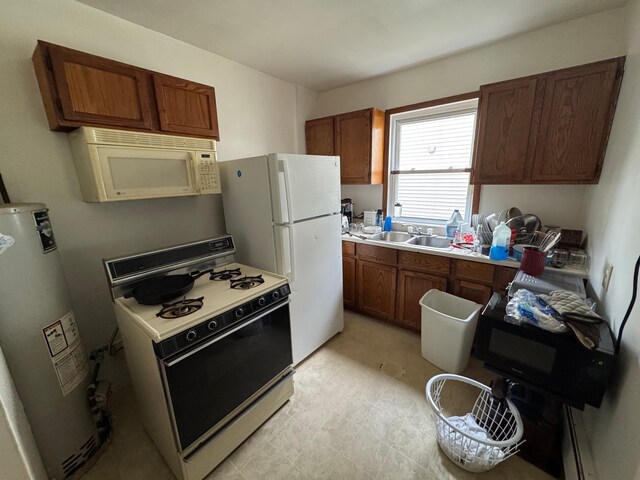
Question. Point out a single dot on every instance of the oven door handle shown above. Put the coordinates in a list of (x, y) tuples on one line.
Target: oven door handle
[(226, 334)]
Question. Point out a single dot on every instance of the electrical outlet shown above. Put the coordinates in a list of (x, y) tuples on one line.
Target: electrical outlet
[(606, 277)]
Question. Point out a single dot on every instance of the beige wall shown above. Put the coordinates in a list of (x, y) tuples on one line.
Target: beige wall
[(257, 114), (572, 43), (614, 229)]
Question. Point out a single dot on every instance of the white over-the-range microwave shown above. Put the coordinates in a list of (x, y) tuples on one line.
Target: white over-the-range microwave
[(115, 165)]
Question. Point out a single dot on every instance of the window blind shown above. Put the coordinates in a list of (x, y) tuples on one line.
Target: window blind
[(431, 162)]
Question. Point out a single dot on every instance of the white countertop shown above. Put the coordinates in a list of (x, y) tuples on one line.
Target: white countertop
[(460, 254)]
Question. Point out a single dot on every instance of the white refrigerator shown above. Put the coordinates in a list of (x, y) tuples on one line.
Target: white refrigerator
[(283, 211)]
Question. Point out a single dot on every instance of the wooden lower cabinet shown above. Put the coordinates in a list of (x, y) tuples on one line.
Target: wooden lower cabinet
[(377, 289), (476, 292), (411, 287), (349, 281), (388, 284), (502, 278)]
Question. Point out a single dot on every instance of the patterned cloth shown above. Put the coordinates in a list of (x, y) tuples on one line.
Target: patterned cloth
[(581, 320)]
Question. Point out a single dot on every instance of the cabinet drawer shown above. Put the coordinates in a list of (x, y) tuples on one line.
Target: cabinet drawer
[(377, 254), (348, 249), (482, 272), (475, 292), (422, 261)]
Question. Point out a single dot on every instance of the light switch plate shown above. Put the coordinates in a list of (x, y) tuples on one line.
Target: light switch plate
[(606, 278)]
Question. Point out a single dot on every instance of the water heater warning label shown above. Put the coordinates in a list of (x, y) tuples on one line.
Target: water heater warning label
[(67, 355)]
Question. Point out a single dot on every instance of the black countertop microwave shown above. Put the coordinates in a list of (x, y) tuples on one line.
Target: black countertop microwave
[(556, 363)]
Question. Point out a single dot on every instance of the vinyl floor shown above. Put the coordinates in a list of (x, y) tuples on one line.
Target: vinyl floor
[(359, 412)]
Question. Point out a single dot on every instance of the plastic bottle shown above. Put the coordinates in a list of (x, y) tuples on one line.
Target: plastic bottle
[(500, 244), (397, 211), (477, 240), (454, 221), (387, 224), (379, 217)]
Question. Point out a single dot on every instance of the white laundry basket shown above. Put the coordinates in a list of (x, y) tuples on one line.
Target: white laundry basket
[(470, 452), (448, 327)]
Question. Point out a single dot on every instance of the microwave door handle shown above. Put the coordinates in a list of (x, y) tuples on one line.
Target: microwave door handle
[(195, 172), (287, 189)]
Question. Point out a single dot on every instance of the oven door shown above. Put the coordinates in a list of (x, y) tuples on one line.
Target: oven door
[(207, 385)]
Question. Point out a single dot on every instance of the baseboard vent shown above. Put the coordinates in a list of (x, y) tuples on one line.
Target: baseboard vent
[(576, 453)]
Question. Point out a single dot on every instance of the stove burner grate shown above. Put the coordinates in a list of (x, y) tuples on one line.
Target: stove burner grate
[(225, 274), (180, 308), (246, 283)]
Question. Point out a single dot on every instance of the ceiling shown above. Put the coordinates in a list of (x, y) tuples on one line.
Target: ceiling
[(323, 44)]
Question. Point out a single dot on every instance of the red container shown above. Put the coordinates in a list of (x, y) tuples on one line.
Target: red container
[(533, 261)]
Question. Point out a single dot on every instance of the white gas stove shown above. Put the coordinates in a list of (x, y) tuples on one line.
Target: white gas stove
[(217, 298), (208, 346)]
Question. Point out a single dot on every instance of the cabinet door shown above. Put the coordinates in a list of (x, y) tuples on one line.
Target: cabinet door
[(505, 116), (96, 90), (319, 135), (185, 106), (576, 119), (353, 145), (476, 292), (502, 278), (411, 287), (349, 281), (377, 289)]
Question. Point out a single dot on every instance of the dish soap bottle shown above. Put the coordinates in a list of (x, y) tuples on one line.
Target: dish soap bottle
[(500, 244), (452, 225)]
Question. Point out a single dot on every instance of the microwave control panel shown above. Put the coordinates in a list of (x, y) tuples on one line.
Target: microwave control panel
[(207, 172)]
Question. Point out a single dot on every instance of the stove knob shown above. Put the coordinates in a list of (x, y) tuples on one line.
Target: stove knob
[(275, 295), (262, 301), (212, 325), (239, 313), (191, 335)]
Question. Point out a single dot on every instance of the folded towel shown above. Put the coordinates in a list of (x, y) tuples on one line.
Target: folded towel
[(576, 314)]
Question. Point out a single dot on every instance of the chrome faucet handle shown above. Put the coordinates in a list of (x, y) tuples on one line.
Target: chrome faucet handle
[(420, 230), (411, 229)]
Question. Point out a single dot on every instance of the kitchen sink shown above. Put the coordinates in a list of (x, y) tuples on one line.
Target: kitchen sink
[(397, 237), (430, 241)]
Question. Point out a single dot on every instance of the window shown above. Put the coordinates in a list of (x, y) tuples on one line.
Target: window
[(430, 161)]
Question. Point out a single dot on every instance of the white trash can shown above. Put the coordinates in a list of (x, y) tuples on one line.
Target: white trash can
[(448, 327)]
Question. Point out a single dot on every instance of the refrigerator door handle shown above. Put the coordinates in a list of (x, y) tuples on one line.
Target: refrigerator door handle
[(289, 250), (287, 267), (287, 191)]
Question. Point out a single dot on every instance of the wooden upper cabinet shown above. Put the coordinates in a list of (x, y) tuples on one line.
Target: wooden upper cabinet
[(504, 127), (185, 107), (357, 137), (575, 124), (97, 90), (81, 89), (547, 128), (320, 137)]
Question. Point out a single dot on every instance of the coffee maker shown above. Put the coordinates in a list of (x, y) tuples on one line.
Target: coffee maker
[(347, 209)]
